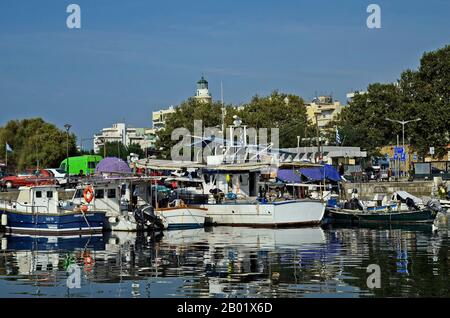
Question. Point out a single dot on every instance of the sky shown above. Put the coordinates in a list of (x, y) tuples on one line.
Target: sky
[(133, 57)]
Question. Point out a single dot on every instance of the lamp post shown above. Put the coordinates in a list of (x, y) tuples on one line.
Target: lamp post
[(316, 114), (403, 123), (67, 127)]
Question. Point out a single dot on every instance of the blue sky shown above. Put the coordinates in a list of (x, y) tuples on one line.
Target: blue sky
[(133, 57)]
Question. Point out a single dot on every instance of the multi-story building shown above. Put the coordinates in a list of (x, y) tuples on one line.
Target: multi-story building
[(322, 110), (119, 132), (159, 117)]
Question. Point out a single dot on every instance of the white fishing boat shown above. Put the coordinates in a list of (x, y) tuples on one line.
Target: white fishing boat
[(131, 204)]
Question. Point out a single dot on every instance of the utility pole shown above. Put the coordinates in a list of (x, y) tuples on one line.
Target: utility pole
[(67, 126), (318, 133)]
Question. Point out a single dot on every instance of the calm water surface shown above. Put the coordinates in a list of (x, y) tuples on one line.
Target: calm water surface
[(231, 262)]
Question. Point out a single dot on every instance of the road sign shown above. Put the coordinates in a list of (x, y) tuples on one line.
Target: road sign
[(431, 150), (403, 157), (415, 157), (398, 150)]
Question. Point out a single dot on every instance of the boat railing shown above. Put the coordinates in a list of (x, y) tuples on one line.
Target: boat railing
[(29, 206)]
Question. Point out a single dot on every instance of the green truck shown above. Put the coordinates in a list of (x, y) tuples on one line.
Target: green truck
[(81, 165)]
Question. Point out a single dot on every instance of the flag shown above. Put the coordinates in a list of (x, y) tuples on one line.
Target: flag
[(338, 137), (8, 148)]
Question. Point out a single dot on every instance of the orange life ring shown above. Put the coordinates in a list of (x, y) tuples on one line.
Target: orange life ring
[(88, 194)]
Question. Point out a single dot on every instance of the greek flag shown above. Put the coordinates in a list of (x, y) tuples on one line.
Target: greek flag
[(338, 137), (8, 148)]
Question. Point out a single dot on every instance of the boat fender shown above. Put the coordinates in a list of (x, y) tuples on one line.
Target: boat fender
[(113, 219), (84, 208), (4, 220)]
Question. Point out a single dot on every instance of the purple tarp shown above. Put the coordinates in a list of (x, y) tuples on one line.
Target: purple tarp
[(112, 165)]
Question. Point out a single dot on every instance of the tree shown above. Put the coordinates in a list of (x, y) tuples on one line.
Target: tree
[(34, 142), (424, 94), (183, 117), (119, 150), (114, 149), (286, 112)]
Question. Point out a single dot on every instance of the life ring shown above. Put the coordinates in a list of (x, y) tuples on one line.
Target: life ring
[(88, 262), (88, 194)]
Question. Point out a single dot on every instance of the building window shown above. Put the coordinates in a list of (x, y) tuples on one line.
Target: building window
[(49, 194), (38, 194)]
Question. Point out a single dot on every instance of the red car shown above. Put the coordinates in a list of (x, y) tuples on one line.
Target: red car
[(40, 177)]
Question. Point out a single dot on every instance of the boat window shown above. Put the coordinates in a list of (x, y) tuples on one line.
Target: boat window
[(111, 193), (38, 194), (99, 194), (49, 194), (79, 194), (91, 165)]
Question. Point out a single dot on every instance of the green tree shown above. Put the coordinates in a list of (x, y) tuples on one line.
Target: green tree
[(34, 142), (114, 149), (286, 112), (183, 117), (424, 93)]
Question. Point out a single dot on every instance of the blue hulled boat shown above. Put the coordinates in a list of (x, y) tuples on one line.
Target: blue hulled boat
[(38, 210)]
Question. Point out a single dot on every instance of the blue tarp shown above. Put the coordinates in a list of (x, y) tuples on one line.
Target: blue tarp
[(320, 173), (289, 176)]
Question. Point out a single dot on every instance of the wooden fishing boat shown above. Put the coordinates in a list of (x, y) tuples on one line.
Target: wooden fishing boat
[(358, 216)]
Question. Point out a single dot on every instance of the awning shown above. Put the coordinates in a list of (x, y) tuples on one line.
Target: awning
[(287, 175), (326, 172)]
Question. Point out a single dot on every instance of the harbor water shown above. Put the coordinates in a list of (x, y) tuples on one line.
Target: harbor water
[(230, 262)]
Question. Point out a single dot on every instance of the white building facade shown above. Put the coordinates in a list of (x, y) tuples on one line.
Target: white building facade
[(119, 132)]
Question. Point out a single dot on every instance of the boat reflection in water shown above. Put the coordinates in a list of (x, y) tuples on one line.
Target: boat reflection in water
[(228, 262)]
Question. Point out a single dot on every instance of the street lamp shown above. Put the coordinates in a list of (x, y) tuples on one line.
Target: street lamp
[(67, 127), (403, 123)]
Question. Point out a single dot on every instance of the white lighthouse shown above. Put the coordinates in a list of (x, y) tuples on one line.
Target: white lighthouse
[(202, 93)]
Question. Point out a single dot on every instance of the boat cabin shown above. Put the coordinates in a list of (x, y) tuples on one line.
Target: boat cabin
[(42, 199)]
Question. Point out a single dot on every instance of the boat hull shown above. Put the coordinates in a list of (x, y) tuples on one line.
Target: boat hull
[(273, 214), (349, 216), (182, 217), (62, 223)]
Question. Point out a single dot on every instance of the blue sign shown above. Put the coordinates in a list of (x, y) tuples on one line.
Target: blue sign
[(415, 157), (398, 150), (403, 157)]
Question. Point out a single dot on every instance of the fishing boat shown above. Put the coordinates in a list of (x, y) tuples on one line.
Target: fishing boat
[(415, 211), (39, 210), (137, 204)]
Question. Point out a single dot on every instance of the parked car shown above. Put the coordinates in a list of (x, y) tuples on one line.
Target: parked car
[(40, 177), (59, 174)]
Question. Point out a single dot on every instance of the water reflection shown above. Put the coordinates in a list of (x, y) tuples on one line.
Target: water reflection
[(230, 262)]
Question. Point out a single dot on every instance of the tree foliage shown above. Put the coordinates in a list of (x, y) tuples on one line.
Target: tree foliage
[(424, 93), (284, 111), (119, 150), (34, 140)]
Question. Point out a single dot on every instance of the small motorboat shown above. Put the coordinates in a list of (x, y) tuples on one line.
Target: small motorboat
[(409, 209)]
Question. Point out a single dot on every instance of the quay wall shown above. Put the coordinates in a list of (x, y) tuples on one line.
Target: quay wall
[(367, 190)]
